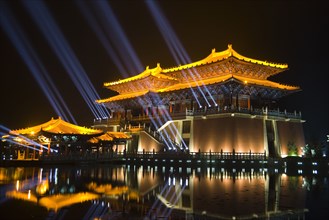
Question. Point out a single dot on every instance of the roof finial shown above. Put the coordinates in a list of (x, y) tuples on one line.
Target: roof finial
[(147, 67), (158, 65), (213, 50), (230, 49)]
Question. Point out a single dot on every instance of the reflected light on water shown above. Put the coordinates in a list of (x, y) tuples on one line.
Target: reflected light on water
[(58, 201), (163, 192), (22, 196), (17, 185)]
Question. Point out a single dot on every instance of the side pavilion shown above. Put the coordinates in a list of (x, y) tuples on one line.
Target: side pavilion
[(58, 137)]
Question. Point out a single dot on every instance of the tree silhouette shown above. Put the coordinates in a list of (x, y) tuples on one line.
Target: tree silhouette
[(292, 149)]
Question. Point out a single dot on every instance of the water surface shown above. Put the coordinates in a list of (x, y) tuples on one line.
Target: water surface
[(130, 192)]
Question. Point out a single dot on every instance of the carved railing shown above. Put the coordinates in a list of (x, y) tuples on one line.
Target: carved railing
[(256, 111), (207, 111), (200, 155)]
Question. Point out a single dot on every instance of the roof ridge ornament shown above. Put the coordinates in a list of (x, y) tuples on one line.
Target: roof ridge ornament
[(230, 48)]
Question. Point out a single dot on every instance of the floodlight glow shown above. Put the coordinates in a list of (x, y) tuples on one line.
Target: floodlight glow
[(170, 185), (17, 142), (172, 128), (23, 145), (112, 31), (93, 23), (157, 201), (198, 86), (65, 54), (116, 34), (156, 125), (13, 137), (175, 46), (27, 53), (168, 34), (197, 75), (167, 212), (12, 140), (165, 136)]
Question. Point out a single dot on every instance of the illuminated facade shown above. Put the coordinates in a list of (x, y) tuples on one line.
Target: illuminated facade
[(222, 103)]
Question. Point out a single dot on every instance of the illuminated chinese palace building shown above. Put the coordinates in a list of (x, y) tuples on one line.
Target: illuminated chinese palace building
[(222, 103)]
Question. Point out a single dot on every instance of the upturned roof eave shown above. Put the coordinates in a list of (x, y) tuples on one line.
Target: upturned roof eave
[(211, 58), (51, 125), (221, 79)]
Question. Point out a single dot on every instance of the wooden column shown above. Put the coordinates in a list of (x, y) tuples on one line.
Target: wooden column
[(249, 102)]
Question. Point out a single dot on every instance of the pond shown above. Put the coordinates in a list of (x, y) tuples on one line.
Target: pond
[(151, 192)]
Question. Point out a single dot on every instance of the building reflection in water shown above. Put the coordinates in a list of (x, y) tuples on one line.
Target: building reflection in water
[(157, 191)]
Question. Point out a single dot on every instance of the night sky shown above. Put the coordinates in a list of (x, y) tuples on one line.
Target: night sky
[(292, 32)]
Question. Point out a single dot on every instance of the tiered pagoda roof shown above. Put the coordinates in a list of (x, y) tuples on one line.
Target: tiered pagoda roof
[(217, 68), (57, 126)]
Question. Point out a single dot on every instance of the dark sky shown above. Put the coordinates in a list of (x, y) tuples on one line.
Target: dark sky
[(292, 32)]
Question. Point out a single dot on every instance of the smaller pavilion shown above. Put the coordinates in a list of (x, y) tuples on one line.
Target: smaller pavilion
[(58, 137), (110, 142)]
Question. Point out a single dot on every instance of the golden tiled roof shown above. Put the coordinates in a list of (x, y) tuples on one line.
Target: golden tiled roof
[(57, 126), (109, 136), (209, 81), (266, 83), (222, 79), (123, 96), (118, 135), (183, 84), (156, 72), (218, 56), (213, 57)]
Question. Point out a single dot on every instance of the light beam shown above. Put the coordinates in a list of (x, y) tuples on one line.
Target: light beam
[(60, 46), (177, 50), (19, 40)]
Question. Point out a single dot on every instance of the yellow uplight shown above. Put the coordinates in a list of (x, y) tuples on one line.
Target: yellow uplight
[(17, 185), (42, 188)]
